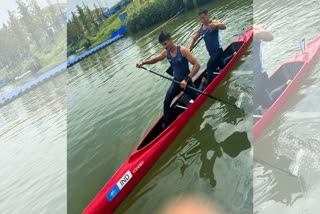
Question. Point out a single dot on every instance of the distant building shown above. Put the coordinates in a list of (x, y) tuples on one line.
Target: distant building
[(108, 12), (119, 6), (122, 16)]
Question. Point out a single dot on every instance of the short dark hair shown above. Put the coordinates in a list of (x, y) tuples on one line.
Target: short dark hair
[(164, 35), (202, 11)]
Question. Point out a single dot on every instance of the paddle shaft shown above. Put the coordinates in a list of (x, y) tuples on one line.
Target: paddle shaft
[(197, 90), (198, 41)]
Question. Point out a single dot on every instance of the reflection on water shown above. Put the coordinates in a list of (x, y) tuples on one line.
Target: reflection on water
[(274, 185), (203, 144)]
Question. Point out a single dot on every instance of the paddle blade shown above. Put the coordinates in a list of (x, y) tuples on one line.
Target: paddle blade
[(235, 144), (170, 71)]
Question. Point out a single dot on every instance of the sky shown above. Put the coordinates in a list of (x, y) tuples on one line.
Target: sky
[(5, 6), (11, 5)]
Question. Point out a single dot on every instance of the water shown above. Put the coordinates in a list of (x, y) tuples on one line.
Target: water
[(287, 168), (33, 150), (111, 105)]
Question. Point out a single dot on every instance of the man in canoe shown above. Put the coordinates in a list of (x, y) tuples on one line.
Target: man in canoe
[(209, 30), (179, 58), (264, 94)]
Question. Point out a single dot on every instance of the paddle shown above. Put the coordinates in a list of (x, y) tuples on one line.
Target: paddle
[(201, 92), (170, 69)]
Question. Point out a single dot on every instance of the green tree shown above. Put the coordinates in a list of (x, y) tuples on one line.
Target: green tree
[(98, 13), (18, 33), (8, 50), (84, 20), (5, 56), (29, 23), (195, 3), (72, 33), (90, 16), (53, 16), (41, 20), (76, 21), (74, 30)]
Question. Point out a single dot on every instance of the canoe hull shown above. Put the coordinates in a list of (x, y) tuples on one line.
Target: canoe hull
[(307, 60), (143, 157)]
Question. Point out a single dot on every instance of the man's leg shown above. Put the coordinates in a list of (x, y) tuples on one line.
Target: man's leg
[(212, 65), (221, 63), (275, 93), (210, 69), (192, 93), (172, 92), (260, 90)]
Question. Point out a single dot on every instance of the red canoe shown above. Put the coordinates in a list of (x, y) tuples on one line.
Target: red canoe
[(154, 143), (294, 70)]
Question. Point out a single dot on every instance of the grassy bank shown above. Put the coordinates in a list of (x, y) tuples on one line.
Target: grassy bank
[(113, 23), (49, 56), (106, 28), (104, 32), (54, 55)]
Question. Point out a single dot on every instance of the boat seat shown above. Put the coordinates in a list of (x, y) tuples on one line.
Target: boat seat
[(256, 118), (185, 101), (182, 107), (228, 58)]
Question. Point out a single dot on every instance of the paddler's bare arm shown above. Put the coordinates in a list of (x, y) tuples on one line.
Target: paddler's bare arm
[(262, 34), (152, 60), (194, 39), (216, 24), (195, 68)]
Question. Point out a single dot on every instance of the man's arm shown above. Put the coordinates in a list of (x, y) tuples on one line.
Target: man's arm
[(262, 34), (216, 24), (152, 60), (195, 68), (194, 39)]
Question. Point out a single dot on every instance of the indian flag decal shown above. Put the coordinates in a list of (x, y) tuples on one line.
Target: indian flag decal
[(120, 184)]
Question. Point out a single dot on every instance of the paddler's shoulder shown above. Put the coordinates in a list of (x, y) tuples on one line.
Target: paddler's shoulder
[(184, 51)]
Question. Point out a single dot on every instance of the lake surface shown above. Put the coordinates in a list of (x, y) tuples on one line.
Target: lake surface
[(287, 168), (112, 104)]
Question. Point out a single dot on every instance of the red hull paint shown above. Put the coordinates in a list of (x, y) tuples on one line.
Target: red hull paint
[(312, 51), (140, 161)]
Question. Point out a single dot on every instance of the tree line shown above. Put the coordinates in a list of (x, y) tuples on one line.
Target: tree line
[(28, 30), (158, 11), (83, 23)]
